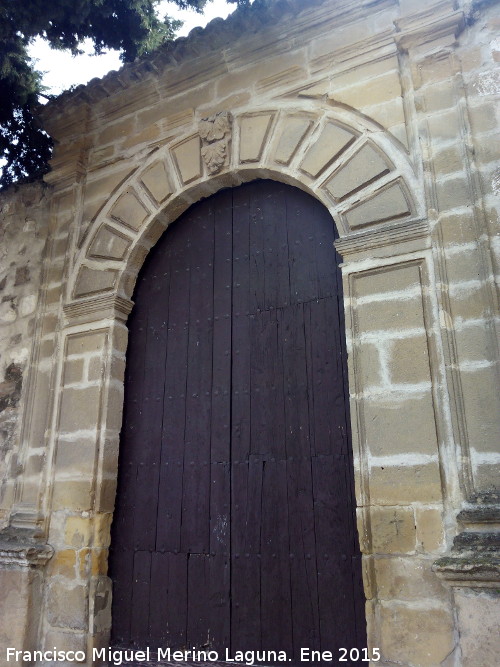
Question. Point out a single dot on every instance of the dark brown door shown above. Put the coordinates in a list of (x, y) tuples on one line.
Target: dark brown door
[(234, 525)]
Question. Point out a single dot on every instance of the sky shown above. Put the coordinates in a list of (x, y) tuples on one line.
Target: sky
[(62, 70)]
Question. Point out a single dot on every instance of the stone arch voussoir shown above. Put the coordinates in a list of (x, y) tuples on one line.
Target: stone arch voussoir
[(359, 172)]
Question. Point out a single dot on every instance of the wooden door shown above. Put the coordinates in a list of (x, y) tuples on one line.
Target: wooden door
[(234, 524)]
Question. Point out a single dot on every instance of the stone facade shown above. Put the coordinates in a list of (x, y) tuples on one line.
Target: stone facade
[(388, 113)]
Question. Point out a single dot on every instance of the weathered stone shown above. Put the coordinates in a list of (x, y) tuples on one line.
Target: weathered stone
[(73, 371), (416, 636), (90, 342), (405, 311), (408, 578), (331, 142), (187, 157), (108, 243), (79, 409), (130, 211), (254, 130), (390, 203), (365, 166), (155, 180), (77, 532), (393, 530), (386, 435), (478, 623), (67, 605), (402, 484), (409, 360), (430, 530), (291, 136), (90, 281)]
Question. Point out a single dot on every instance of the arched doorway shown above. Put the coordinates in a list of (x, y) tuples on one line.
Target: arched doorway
[(234, 525)]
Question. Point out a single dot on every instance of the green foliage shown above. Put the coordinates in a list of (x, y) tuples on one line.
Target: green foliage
[(131, 26)]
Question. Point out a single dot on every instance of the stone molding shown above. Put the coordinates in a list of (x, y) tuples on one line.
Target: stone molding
[(434, 23), (19, 549), (474, 561), (399, 233), (360, 174), (97, 308)]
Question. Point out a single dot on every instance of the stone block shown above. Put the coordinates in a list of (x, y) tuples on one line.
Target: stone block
[(483, 118), (114, 408), (395, 314), (397, 278), (331, 142), (409, 360), (100, 188), (285, 77), (155, 180), (246, 79), (452, 193), (102, 529), (77, 531), (293, 131), (89, 281), (151, 133), (403, 484), (116, 131), (447, 160), (73, 371), (400, 427), (95, 369), (416, 636), (389, 203), (482, 407), (63, 563), (365, 166), (73, 495), (76, 457), (67, 605), (389, 114), (79, 409), (393, 530), (187, 158), (130, 211), (82, 344), (108, 243), (254, 130), (14, 605), (438, 97), (474, 344), (65, 640), (368, 366), (445, 126), (430, 529), (408, 578), (369, 92), (486, 474)]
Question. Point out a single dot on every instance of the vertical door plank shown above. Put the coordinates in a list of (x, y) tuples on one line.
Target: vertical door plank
[(158, 610), (291, 321), (303, 556), (139, 622), (276, 613), (198, 607), (177, 601)]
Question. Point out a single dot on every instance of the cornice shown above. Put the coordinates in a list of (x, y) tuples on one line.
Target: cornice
[(18, 548), (377, 238), (97, 308)]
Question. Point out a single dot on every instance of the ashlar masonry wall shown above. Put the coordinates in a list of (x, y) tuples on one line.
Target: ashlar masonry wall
[(388, 114)]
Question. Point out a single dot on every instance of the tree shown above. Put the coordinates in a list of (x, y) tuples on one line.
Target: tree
[(131, 26)]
